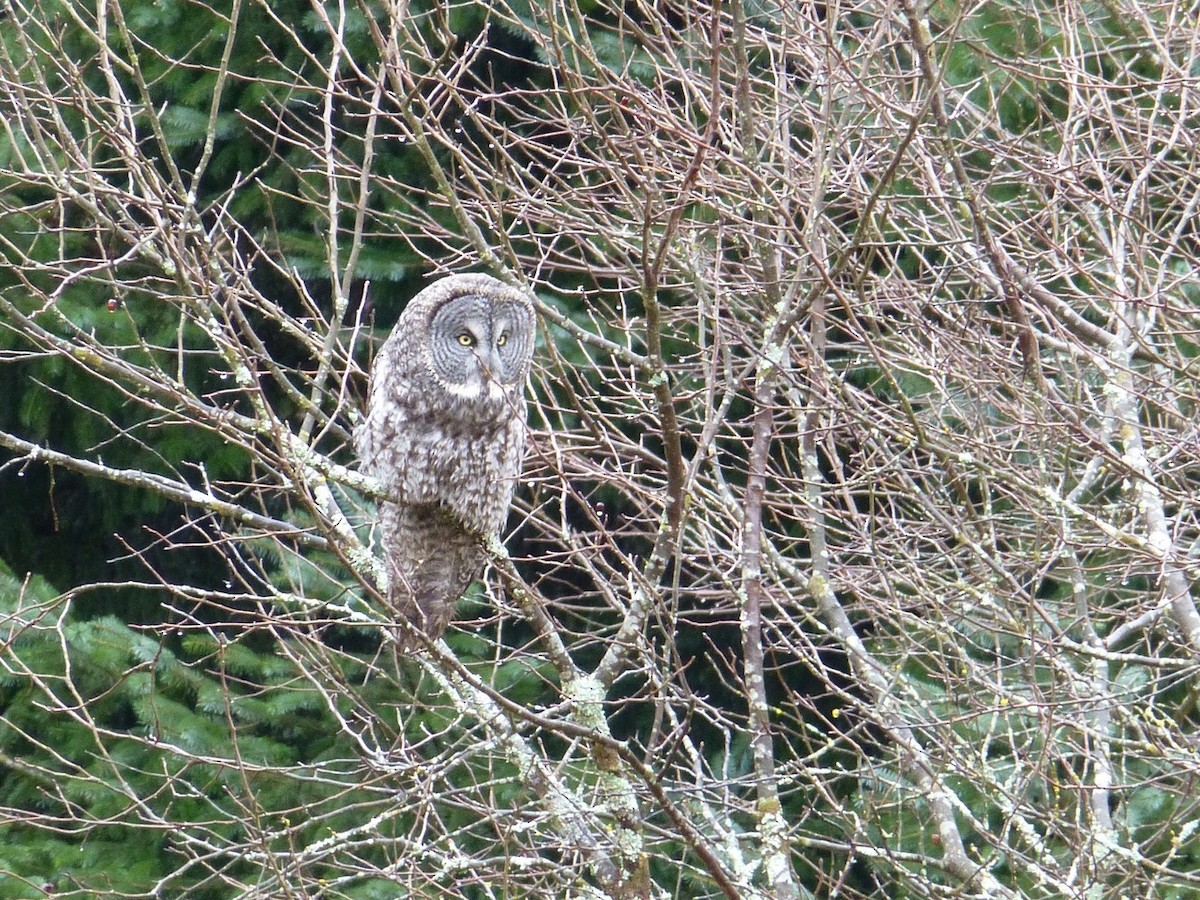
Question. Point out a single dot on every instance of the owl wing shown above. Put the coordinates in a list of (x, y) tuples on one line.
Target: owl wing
[(367, 434), (380, 436)]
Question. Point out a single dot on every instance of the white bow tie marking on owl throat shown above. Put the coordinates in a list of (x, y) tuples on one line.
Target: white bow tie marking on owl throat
[(475, 390)]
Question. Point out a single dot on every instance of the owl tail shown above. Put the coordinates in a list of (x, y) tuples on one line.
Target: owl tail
[(431, 560)]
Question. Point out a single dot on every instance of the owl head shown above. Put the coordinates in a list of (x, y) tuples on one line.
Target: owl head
[(479, 336)]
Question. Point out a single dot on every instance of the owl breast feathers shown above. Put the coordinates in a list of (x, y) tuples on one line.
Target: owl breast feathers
[(445, 435)]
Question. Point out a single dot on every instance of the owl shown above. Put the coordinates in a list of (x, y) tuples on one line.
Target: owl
[(445, 435)]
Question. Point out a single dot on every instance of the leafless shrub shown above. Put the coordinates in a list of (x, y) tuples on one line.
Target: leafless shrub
[(856, 553)]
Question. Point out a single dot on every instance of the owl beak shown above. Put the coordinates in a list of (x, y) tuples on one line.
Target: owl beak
[(493, 366)]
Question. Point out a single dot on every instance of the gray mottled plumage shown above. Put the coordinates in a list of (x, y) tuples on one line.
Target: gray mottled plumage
[(445, 434)]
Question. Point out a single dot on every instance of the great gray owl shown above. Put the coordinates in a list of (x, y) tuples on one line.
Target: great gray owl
[(445, 434)]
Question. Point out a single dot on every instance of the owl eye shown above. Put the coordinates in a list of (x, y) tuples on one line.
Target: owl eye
[(467, 339), (502, 340)]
